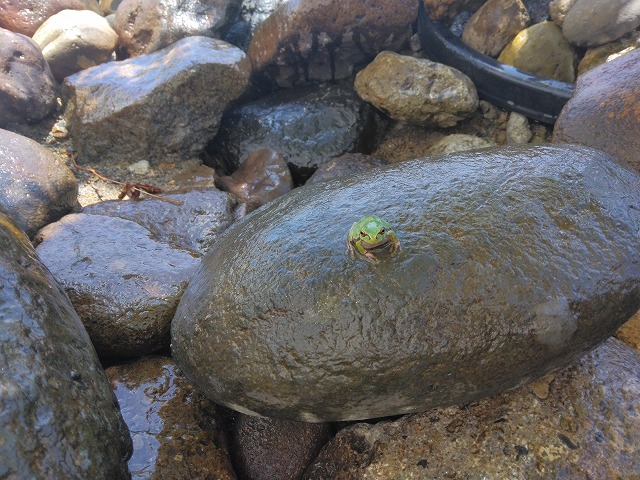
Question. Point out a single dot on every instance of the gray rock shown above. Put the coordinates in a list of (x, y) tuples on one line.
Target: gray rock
[(518, 129), (167, 114), (145, 26), (604, 112), (281, 121), (27, 87), (25, 16), (262, 177), (306, 41), (347, 164), (494, 25), (538, 10), (268, 449), (59, 418), (124, 284), (35, 188), (196, 224), (176, 432), (594, 22), (513, 263), (72, 40), (586, 426), (417, 91)]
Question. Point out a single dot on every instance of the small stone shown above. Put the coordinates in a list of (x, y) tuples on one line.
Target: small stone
[(417, 91), (73, 40), (494, 25), (139, 168), (518, 129), (540, 388), (598, 55), (541, 49), (629, 332), (558, 10), (458, 142)]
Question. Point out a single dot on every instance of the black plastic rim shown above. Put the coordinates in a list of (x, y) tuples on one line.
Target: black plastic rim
[(505, 86)]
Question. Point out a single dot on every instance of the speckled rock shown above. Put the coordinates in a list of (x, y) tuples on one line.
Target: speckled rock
[(27, 87), (25, 16), (59, 418), (268, 449), (518, 129), (587, 427), (35, 188), (458, 142), (594, 22), (494, 25), (196, 224), (558, 10), (176, 432), (417, 91), (506, 272), (168, 114), (262, 176), (448, 9), (124, 284), (347, 164), (310, 41), (72, 40), (145, 26), (606, 102), (598, 55), (541, 49), (342, 123)]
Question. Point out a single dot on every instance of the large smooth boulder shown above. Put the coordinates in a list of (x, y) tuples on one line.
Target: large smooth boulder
[(161, 107), (513, 263), (604, 112), (58, 417), (27, 87), (35, 188)]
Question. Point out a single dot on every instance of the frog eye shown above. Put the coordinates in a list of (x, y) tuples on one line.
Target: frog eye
[(381, 230), (362, 234)]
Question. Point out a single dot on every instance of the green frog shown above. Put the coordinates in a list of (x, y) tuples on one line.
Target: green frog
[(369, 234)]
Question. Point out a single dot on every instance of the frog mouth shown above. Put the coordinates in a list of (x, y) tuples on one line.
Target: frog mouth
[(376, 245)]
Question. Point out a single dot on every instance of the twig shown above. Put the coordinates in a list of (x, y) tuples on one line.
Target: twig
[(127, 186)]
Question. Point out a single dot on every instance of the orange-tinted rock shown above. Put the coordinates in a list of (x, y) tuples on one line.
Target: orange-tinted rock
[(25, 16), (309, 40), (604, 113)]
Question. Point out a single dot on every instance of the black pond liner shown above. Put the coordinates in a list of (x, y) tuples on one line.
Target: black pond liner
[(505, 86)]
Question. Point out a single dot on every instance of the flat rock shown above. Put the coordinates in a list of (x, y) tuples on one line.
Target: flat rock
[(35, 188), (606, 102), (59, 418), (26, 16), (586, 427), (124, 284), (595, 22), (145, 26), (196, 224), (541, 49), (417, 91), (176, 432), (27, 87), (513, 263), (306, 40), (342, 123), (72, 40), (494, 25), (168, 114)]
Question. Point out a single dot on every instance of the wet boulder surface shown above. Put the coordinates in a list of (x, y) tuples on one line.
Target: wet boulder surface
[(513, 263), (58, 417)]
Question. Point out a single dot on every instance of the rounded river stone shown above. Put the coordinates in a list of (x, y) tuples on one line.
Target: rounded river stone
[(513, 263)]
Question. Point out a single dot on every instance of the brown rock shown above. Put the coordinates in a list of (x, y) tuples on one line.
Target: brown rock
[(25, 16), (261, 177), (610, 51), (308, 40), (604, 112), (541, 49), (269, 449), (558, 10), (347, 164), (144, 26), (494, 25), (176, 432), (629, 332), (458, 142), (587, 426), (27, 88), (35, 188), (447, 9)]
